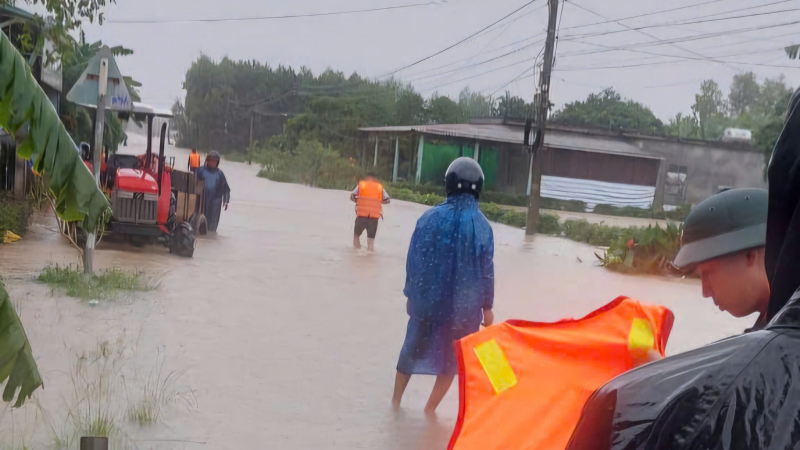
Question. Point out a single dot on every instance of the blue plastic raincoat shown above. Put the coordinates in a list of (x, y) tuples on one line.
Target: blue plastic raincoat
[(449, 281)]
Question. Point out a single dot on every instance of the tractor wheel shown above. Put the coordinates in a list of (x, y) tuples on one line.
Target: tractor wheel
[(182, 241), (138, 241), (202, 225)]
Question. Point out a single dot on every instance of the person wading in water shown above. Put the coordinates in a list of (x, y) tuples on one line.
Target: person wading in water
[(449, 282), (217, 194)]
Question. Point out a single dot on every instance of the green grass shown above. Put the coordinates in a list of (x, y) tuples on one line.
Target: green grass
[(104, 285)]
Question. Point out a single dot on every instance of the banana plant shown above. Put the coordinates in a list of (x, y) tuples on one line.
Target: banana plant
[(47, 144), (24, 108), (792, 51), (16, 360)]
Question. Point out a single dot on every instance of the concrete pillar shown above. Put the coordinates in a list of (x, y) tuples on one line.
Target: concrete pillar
[(396, 159), (530, 173), (477, 151), (419, 157), (658, 198), (375, 161), (94, 443)]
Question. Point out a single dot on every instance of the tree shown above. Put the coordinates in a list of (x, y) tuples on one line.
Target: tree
[(745, 93), (442, 109), (607, 109), (67, 15), (683, 127), (708, 105), (513, 107), (775, 95)]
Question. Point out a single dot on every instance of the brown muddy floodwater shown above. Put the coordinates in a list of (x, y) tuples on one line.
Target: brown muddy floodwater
[(285, 336)]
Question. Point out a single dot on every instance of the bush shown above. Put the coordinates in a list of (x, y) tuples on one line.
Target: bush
[(623, 211), (410, 196), (549, 224), (310, 163), (561, 205), (491, 211), (501, 198), (644, 250), (13, 215), (513, 218)]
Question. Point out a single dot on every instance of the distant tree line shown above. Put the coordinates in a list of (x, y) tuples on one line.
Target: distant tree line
[(750, 105), (222, 97)]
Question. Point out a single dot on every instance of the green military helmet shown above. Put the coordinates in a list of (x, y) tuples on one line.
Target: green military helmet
[(723, 224)]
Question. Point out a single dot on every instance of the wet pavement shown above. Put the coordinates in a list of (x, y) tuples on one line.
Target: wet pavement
[(287, 336)]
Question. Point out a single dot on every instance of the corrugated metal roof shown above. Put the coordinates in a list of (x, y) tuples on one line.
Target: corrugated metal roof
[(514, 135), (13, 11)]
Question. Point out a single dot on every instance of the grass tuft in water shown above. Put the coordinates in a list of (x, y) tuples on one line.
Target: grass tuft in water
[(157, 391), (104, 285)]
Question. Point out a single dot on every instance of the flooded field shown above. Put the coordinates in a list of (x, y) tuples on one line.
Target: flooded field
[(282, 335)]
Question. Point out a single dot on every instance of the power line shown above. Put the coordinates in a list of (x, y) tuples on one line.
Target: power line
[(459, 42), (673, 62), (645, 15), (667, 24), (480, 74), (490, 51), (638, 31), (558, 29), (288, 16), (793, 33), (690, 38), (741, 9), (476, 64), (513, 80)]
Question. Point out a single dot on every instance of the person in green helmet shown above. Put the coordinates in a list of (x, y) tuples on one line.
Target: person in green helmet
[(723, 239)]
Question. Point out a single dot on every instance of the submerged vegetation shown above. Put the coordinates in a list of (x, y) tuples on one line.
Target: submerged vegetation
[(102, 285)]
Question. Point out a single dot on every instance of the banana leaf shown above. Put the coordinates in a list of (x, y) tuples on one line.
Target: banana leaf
[(55, 156), (16, 360)]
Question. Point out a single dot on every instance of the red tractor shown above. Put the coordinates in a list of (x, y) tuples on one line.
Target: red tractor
[(144, 198)]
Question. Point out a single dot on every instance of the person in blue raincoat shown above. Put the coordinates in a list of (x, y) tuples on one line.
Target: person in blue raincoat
[(217, 193), (449, 282)]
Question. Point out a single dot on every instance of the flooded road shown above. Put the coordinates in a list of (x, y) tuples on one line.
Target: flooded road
[(287, 336)]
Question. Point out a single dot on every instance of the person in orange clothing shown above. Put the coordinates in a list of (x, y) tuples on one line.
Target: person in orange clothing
[(369, 197), (194, 161)]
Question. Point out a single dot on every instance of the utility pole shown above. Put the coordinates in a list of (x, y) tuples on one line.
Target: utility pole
[(250, 150), (88, 250), (541, 122)]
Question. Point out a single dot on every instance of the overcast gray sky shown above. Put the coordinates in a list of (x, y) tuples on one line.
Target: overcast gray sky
[(376, 43)]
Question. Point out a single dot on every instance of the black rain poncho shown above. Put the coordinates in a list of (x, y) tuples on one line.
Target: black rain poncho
[(739, 393)]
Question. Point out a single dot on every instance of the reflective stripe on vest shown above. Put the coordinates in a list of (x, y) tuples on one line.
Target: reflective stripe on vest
[(369, 201), (194, 160), (522, 385)]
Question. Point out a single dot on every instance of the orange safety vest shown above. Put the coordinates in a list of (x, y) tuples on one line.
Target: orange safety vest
[(194, 160), (369, 201), (522, 385)]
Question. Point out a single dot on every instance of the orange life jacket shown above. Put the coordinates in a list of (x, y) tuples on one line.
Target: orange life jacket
[(369, 202), (522, 385), (194, 160)]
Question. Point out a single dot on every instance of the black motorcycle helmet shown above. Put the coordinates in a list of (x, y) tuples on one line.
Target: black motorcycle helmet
[(463, 175)]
